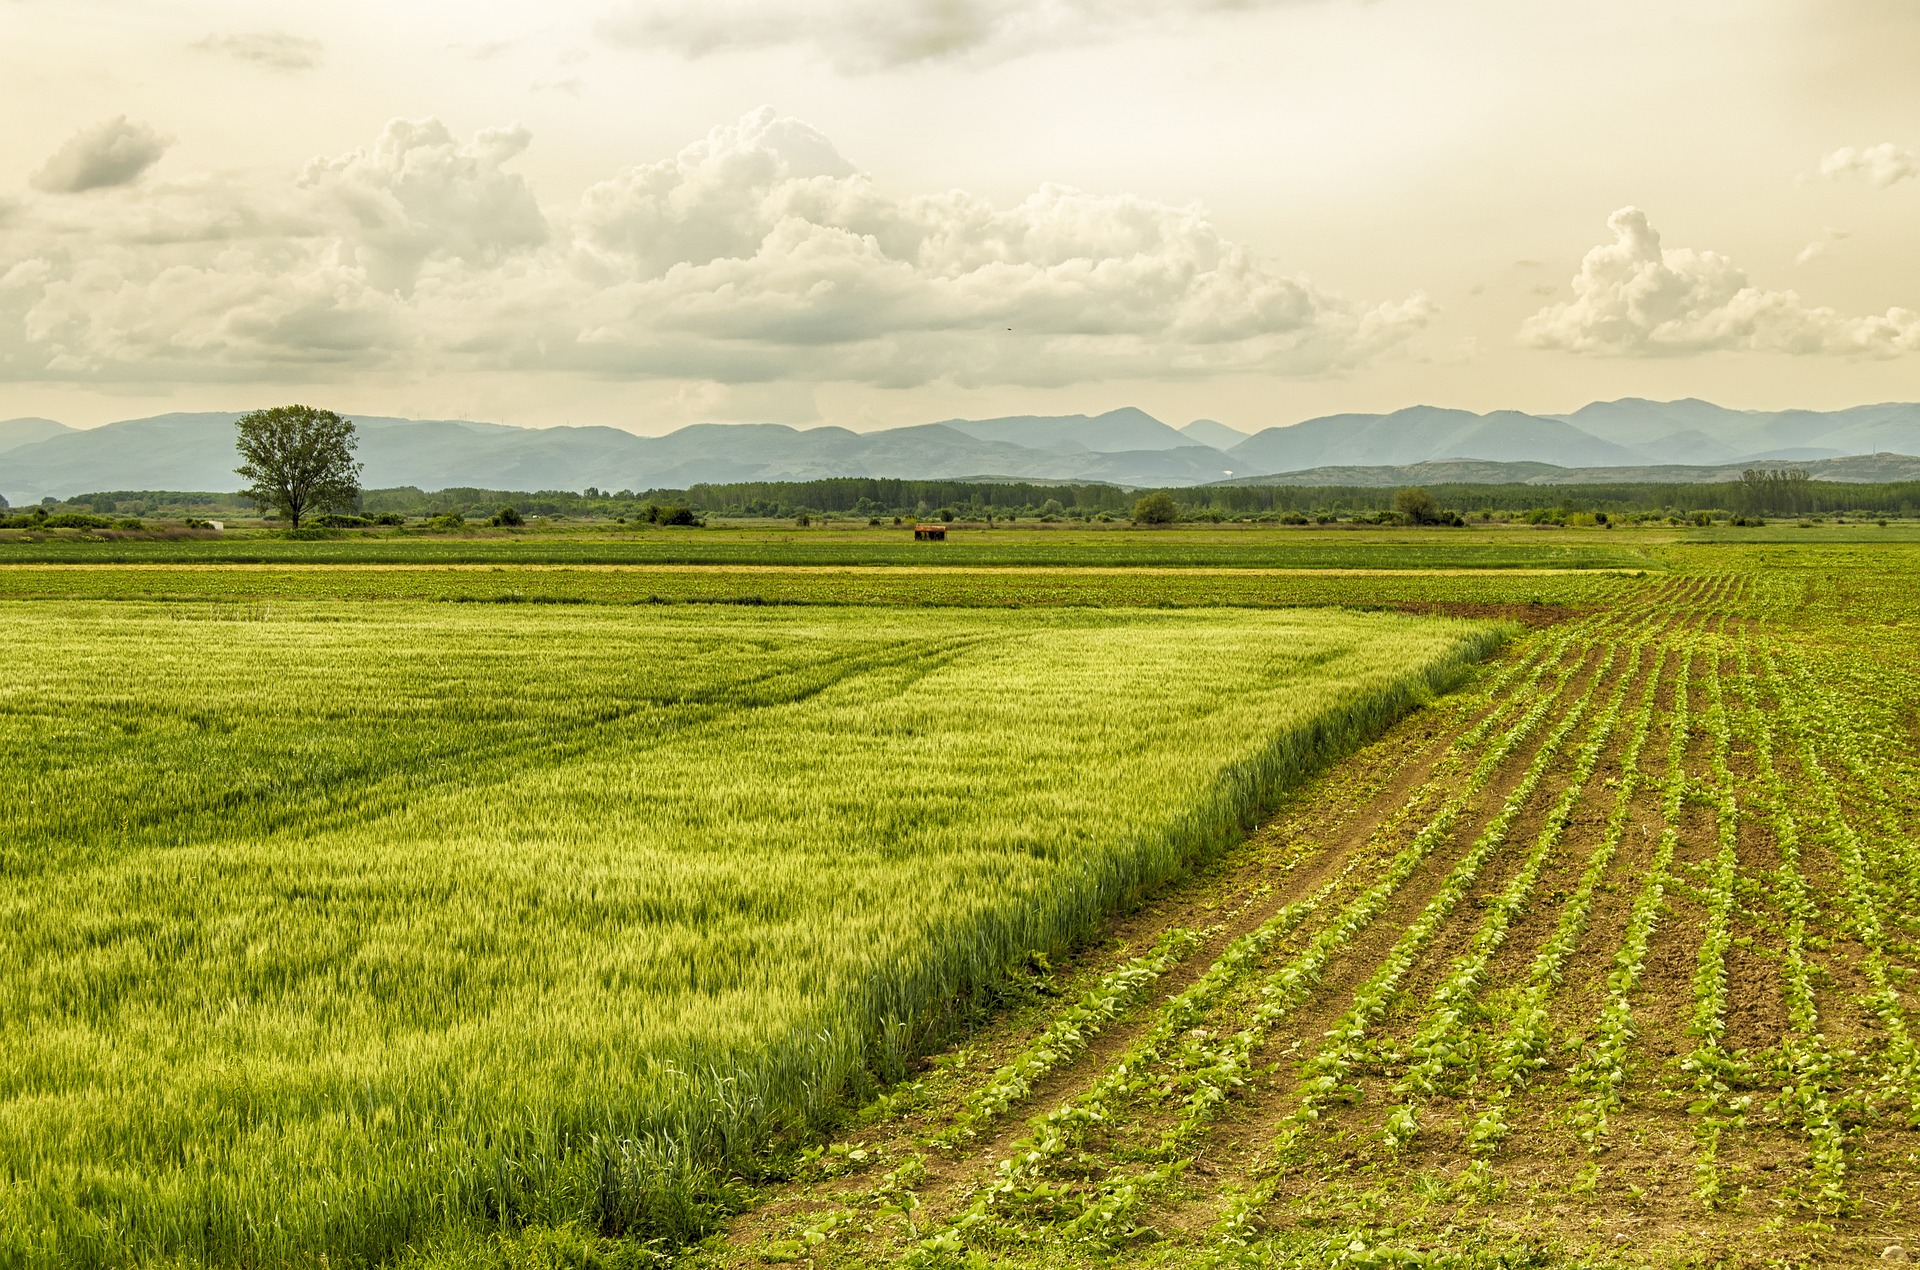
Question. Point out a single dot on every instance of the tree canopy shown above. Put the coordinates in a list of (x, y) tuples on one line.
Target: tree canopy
[(1417, 505), (299, 460), (1156, 509)]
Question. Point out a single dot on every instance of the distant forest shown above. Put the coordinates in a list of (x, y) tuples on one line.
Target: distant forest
[(1759, 493)]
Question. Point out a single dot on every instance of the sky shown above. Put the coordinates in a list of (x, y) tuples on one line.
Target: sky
[(650, 213)]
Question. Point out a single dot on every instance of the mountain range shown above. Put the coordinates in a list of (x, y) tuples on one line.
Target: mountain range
[(42, 457)]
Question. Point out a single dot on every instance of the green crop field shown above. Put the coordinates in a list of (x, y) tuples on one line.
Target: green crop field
[(1143, 586), (1245, 547), (369, 906), (344, 930)]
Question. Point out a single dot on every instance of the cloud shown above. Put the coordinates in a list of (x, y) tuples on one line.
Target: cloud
[(1635, 298), (1821, 245), (417, 194), (108, 154), (1885, 164), (866, 35), (756, 254), (274, 50)]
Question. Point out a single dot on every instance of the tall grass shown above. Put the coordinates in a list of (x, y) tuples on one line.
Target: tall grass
[(334, 933)]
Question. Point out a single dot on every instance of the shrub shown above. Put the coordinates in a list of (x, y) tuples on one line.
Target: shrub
[(447, 520), (128, 522), (1418, 506), (508, 518), (685, 516), (1156, 509), (389, 518), (75, 520), (335, 520)]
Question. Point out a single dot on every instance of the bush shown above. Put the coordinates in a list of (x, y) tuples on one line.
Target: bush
[(1418, 506), (128, 522), (447, 520), (685, 516), (508, 518), (1156, 509), (1292, 518), (334, 520), (75, 520), (389, 518)]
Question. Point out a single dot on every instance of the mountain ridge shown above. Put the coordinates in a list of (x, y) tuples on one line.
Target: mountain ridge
[(1127, 446)]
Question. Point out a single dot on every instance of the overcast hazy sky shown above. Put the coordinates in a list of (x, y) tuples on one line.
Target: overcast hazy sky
[(869, 212)]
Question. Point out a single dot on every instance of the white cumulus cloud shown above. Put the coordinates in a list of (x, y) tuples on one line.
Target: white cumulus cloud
[(1885, 164), (418, 193), (1635, 297), (864, 35), (112, 153), (757, 253)]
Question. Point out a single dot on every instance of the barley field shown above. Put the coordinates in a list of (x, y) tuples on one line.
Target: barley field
[(349, 934)]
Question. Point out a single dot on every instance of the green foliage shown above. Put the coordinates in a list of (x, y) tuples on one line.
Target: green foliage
[(1156, 509), (298, 460), (1417, 505), (507, 517), (447, 520)]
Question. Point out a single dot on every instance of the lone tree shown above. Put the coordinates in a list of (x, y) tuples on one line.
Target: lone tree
[(298, 460), (1418, 506), (1156, 509)]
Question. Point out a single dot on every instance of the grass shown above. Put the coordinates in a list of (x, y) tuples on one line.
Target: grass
[(1146, 586), (1240, 547), (373, 928)]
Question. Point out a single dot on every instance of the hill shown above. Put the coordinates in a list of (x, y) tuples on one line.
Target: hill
[(1854, 469), (1626, 440)]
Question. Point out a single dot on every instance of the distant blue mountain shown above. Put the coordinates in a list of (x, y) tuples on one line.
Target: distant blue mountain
[(1421, 433), (39, 457)]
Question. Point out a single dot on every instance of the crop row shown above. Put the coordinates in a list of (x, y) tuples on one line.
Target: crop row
[(1601, 1071), (1325, 1077), (1446, 1042)]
